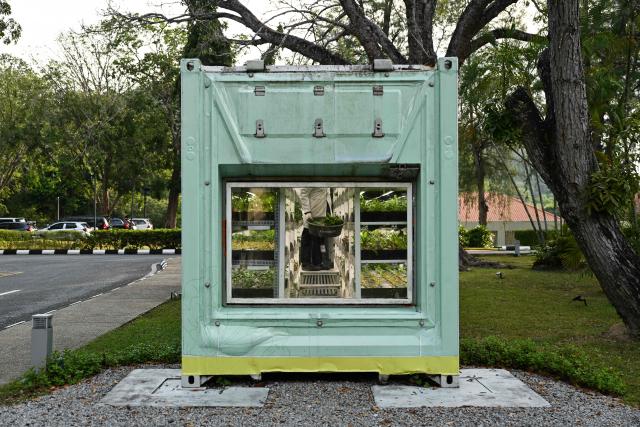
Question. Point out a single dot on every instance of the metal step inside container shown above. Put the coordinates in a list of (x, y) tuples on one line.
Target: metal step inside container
[(319, 284)]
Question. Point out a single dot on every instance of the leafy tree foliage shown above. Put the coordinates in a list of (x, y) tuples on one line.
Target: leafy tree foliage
[(10, 30)]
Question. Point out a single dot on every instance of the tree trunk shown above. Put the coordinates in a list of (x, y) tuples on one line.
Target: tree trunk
[(561, 150), (483, 208)]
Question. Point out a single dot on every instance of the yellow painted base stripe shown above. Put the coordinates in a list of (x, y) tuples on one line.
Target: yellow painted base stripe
[(202, 365)]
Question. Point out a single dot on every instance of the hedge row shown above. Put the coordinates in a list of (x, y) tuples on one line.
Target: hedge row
[(101, 239), (133, 239), (530, 237)]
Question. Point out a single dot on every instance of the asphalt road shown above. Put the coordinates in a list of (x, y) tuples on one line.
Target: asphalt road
[(31, 284)]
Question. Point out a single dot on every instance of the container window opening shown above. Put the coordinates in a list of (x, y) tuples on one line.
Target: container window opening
[(318, 243)]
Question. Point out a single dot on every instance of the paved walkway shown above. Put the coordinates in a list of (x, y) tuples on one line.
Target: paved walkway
[(78, 324)]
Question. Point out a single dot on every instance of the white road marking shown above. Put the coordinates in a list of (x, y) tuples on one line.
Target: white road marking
[(77, 302), (15, 324), (10, 292), (97, 295)]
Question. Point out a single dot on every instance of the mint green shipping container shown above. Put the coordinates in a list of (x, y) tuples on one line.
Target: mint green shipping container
[(319, 220)]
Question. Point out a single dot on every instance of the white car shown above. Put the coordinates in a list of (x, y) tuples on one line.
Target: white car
[(13, 220), (81, 227), (143, 223)]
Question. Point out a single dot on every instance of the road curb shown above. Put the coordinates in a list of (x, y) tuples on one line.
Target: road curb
[(90, 251)]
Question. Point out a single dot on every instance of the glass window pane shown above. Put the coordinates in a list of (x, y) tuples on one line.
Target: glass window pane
[(318, 243)]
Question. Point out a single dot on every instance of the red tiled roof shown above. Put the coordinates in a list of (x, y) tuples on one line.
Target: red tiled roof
[(502, 208)]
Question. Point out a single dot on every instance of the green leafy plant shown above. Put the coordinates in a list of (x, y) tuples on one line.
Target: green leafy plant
[(393, 204), (611, 188), (249, 202), (327, 221), (253, 279), (383, 239), (383, 275)]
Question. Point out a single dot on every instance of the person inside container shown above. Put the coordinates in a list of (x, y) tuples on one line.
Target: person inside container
[(314, 250)]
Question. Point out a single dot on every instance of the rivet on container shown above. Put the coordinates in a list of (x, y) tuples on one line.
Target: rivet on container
[(319, 323), (217, 323), (207, 284), (421, 322), (432, 284)]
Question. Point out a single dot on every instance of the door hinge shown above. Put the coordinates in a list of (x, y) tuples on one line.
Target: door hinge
[(318, 90), (378, 90), (259, 90)]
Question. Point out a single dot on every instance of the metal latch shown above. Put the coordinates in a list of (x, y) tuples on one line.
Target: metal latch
[(377, 129), (318, 131), (318, 90), (259, 91), (378, 90), (259, 129)]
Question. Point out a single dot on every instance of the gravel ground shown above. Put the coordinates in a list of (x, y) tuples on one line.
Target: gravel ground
[(316, 400)]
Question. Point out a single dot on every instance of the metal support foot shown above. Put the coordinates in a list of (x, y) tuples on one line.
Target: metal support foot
[(446, 381), (256, 377), (383, 379), (194, 381)]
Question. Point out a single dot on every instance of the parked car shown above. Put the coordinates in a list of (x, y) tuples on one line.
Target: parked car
[(17, 226), (143, 223), (124, 224), (18, 219), (78, 226), (102, 222)]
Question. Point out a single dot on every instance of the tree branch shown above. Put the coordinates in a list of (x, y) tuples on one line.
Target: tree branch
[(504, 33), (473, 19), (372, 38), (294, 43)]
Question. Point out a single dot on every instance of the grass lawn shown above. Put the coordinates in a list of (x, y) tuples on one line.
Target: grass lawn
[(537, 305), (525, 304)]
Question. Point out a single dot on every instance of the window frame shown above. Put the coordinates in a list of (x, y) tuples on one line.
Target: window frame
[(359, 301)]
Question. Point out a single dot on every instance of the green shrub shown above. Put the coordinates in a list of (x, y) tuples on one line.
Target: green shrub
[(463, 236), (15, 236), (68, 235), (134, 239), (560, 253), (100, 239), (530, 237), (566, 363), (72, 366), (480, 237)]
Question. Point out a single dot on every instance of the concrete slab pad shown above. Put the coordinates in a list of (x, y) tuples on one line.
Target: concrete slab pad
[(478, 387), (161, 388)]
